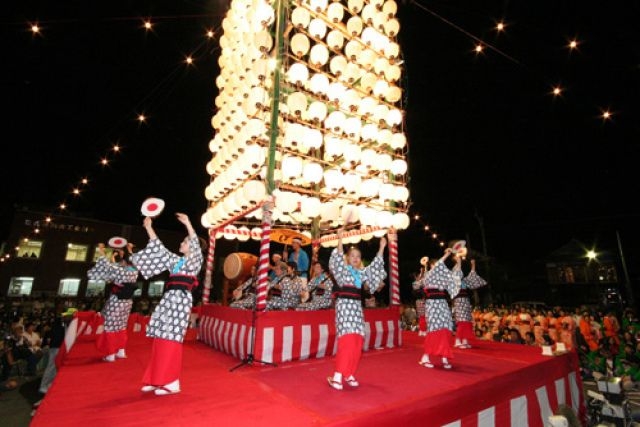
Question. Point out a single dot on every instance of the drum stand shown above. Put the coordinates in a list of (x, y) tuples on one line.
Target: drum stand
[(250, 359)]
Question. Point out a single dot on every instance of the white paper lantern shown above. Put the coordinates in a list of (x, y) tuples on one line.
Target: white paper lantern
[(400, 221), (291, 167), (298, 74), (398, 141), (335, 12), (230, 232), (355, 6), (300, 17), (354, 26), (333, 179), (352, 182), (310, 207), (400, 193), (297, 103), (312, 172), (317, 28), (244, 233), (317, 111), (299, 45), (398, 167), (319, 84), (256, 233), (390, 8), (319, 55)]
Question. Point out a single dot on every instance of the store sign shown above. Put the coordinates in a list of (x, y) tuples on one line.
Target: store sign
[(55, 226)]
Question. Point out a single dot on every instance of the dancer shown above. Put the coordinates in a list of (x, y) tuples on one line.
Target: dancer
[(316, 295), (420, 300), (462, 306), (438, 285), (123, 276), (170, 318), (350, 277)]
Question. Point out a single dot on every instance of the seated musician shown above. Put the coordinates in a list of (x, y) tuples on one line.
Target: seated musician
[(284, 292), (244, 296), (316, 295)]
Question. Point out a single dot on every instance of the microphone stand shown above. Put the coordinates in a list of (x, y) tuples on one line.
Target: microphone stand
[(250, 359)]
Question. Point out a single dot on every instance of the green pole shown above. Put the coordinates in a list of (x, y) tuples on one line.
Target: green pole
[(280, 27)]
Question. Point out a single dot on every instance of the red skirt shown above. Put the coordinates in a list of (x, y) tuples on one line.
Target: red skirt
[(110, 342), (464, 331), (165, 364), (348, 354), (438, 343)]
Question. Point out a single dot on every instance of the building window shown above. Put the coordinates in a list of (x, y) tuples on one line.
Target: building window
[(95, 288), (29, 249), (155, 288), (76, 252), (108, 252), (69, 287), (20, 286)]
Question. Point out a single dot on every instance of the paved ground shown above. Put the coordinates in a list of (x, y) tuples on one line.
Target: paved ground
[(16, 405)]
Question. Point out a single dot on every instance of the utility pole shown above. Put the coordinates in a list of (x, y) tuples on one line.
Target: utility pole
[(626, 273), (484, 253)]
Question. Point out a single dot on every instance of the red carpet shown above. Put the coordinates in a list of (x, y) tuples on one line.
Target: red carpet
[(491, 384)]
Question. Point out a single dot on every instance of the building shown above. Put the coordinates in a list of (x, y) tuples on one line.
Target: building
[(49, 255), (574, 273)]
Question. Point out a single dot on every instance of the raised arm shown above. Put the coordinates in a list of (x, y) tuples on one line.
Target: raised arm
[(383, 243), (184, 219), (148, 225), (340, 232)]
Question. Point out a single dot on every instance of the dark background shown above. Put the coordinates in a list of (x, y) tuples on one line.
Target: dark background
[(490, 149)]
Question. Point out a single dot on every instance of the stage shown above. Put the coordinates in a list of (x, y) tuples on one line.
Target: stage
[(492, 384)]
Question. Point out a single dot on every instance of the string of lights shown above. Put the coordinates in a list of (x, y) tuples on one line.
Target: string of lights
[(110, 155)]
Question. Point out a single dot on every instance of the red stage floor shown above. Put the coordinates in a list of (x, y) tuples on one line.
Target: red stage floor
[(491, 384)]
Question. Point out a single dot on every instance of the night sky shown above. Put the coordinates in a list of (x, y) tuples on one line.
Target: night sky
[(488, 142)]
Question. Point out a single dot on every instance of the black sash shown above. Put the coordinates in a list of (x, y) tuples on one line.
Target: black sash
[(347, 292)]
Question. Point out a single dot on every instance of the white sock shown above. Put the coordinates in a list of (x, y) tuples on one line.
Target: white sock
[(425, 359), (337, 377), (457, 342), (445, 361), (173, 385), (465, 342)]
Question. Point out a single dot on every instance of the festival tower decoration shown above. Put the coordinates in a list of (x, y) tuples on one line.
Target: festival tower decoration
[(308, 125)]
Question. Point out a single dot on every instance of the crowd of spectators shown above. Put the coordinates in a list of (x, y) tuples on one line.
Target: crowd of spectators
[(607, 342), (26, 325)]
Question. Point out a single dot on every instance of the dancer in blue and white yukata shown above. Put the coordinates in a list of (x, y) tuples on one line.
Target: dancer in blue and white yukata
[(351, 277), (462, 310), (170, 318), (122, 275), (439, 285)]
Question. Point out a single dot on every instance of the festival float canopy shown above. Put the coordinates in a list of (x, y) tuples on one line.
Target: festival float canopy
[(308, 125)]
